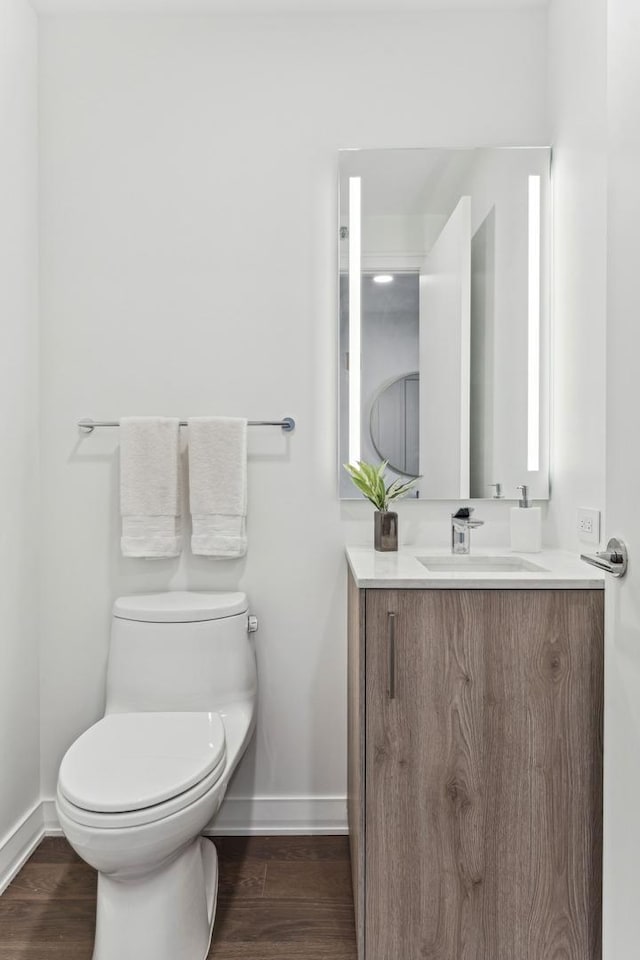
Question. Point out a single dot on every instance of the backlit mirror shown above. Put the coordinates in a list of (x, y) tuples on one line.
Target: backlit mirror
[(443, 263)]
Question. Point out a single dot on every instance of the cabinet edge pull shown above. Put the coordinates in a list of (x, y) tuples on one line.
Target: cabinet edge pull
[(391, 633)]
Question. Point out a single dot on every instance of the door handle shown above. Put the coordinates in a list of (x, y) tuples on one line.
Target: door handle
[(613, 560), (391, 649)]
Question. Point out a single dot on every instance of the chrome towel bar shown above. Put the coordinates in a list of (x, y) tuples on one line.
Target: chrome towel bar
[(287, 424)]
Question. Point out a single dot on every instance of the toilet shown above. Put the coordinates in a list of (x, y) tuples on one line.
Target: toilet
[(137, 788)]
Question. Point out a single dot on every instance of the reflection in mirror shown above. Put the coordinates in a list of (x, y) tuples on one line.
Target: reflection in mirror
[(443, 317), (395, 425)]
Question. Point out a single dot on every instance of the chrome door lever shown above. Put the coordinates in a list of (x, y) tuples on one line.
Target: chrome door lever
[(613, 560)]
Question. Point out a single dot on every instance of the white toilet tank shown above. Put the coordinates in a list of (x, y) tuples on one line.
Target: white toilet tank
[(182, 651)]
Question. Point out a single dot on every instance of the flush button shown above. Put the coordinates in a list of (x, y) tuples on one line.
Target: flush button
[(252, 624)]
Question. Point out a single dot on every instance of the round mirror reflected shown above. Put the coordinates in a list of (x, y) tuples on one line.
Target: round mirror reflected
[(395, 424)]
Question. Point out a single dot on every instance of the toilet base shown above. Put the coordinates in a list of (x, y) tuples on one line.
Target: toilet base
[(162, 915)]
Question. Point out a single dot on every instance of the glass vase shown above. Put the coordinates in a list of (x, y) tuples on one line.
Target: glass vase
[(385, 531)]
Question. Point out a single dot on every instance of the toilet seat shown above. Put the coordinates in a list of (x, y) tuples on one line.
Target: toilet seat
[(146, 816), (140, 767)]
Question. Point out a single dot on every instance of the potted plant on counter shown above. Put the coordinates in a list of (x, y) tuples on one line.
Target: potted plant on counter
[(371, 481)]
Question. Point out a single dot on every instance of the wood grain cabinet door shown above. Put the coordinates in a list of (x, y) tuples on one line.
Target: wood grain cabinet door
[(483, 769)]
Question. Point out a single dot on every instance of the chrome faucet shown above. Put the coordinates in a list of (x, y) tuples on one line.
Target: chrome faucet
[(461, 526)]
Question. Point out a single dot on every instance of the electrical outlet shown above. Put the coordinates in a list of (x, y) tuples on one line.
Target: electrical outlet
[(588, 525)]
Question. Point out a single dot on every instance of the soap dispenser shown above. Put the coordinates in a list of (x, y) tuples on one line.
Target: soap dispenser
[(526, 525)]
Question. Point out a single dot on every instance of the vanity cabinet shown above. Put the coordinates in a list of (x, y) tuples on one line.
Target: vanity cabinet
[(475, 772)]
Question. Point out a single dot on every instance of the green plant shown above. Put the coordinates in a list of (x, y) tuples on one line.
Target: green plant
[(371, 481)]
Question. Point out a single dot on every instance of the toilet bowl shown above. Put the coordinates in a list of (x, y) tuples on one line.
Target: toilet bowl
[(137, 788)]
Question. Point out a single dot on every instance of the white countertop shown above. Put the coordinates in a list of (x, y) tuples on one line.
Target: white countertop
[(402, 571)]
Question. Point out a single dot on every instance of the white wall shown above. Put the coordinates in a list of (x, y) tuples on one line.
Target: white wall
[(577, 107), (19, 682), (189, 232)]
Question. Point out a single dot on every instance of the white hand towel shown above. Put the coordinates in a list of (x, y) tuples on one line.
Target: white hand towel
[(150, 487), (218, 486)]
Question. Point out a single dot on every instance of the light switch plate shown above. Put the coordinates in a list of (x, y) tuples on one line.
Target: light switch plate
[(588, 525)]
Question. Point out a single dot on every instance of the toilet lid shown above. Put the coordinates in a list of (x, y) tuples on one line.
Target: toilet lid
[(129, 761), (180, 606)]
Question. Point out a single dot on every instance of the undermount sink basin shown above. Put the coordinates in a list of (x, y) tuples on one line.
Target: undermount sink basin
[(478, 564)]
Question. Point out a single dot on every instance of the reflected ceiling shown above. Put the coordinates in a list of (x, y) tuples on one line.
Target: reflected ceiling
[(276, 6)]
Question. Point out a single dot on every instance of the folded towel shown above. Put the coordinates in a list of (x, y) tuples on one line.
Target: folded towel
[(150, 487), (218, 486)]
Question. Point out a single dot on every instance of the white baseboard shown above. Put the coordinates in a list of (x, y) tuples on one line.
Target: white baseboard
[(18, 845), (238, 816), (244, 816), (241, 816), (50, 822)]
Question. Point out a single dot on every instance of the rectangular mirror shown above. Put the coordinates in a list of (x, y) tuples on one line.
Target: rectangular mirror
[(444, 318)]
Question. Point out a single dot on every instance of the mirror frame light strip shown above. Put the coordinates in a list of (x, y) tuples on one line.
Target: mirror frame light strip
[(355, 315), (533, 407)]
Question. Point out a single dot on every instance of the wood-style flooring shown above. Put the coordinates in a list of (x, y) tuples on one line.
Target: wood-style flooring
[(279, 897)]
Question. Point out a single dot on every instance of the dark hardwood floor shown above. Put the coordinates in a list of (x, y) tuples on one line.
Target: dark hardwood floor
[(279, 897)]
